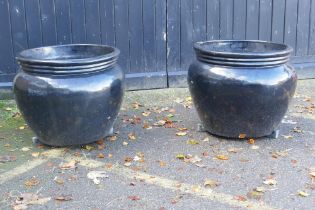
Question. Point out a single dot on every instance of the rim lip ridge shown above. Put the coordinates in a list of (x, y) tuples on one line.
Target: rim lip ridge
[(105, 58), (227, 58)]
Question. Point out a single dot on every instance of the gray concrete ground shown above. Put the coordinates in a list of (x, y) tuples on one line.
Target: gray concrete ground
[(159, 160)]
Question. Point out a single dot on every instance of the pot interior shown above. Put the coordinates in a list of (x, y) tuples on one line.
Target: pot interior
[(243, 47), (66, 52)]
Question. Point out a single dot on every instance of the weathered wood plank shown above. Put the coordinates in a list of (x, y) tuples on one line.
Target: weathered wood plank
[(6, 50), (252, 19), (173, 35), (199, 20), (226, 19), (107, 15), (239, 25), (78, 29), (149, 44), (122, 33), (265, 18), (18, 25), (48, 20), (63, 22), (33, 23), (186, 34), (290, 22), (303, 24), (136, 35), (311, 45), (278, 20), (160, 36), (93, 25), (213, 19)]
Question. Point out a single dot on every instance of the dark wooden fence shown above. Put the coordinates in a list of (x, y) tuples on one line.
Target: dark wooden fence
[(155, 36)]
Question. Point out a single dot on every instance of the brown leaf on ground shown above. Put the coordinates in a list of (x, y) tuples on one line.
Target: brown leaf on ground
[(132, 136), (112, 138), (63, 198), (146, 113), (100, 155), (181, 133), (59, 180), (69, 165), (100, 142), (303, 193), (242, 136), (31, 182), (134, 198), (162, 164), (240, 198), (210, 183), (147, 126), (222, 157), (7, 158), (192, 142), (251, 141)]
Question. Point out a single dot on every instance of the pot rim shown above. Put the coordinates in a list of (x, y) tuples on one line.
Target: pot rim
[(113, 54), (285, 51)]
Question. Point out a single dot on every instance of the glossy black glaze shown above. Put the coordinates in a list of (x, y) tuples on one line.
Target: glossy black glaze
[(241, 87), (69, 94)]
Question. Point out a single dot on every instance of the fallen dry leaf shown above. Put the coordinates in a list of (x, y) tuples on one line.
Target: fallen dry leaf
[(146, 114), (303, 194), (134, 198), (100, 155), (25, 149), (63, 198), (181, 133), (255, 194), (146, 126), (287, 136), (112, 138), (240, 198), (222, 157), (180, 156), (242, 136), (95, 175), (192, 142), (270, 182), (21, 127), (297, 130), (125, 143), (162, 164), (31, 182), (100, 142), (210, 183), (88, 147), (59, 180), (251, 141), (132, 136), (234, 150), (35, 154), (69, 165)]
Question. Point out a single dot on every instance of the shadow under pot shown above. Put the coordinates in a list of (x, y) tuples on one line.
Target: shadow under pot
[(241, 88), (69, 94)]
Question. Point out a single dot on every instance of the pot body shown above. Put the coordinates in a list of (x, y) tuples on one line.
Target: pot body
[(70, 108), (234, 100)]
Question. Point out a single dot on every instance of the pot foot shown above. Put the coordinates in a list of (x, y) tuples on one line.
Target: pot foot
[(274, 134), (200, 128), (110, 132)]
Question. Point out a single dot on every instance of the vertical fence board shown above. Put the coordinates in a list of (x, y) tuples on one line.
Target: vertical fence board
[(34, 31), (199, 20), (265, 18), (122, 33), (18, 26), (252, 19), (303, 25), (136, 35), (93, 25), (311, 45), (48, 22), (107, 22), (6, 50), (186, 33), (173, 35), (290, 23), (278, 20), (77, 11), (160, 36), (213, 19), (63, 24), (149, 44), (239, 25), (226, 19)]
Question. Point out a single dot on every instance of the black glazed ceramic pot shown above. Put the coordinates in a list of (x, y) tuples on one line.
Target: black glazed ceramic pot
[(69, 94), (241, 87)]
